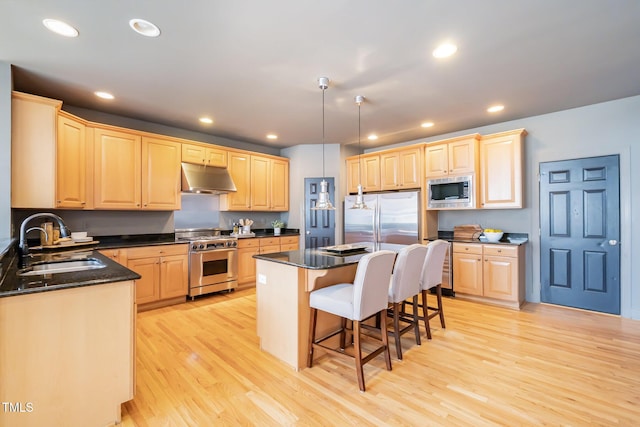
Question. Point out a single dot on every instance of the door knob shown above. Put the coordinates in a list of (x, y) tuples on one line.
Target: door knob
[(308, 232), (613, 242)]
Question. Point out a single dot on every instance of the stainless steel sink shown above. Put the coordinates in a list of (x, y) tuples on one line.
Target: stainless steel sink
[(61, 267)]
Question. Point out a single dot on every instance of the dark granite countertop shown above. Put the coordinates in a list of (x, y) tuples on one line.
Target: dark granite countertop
[(507, 238), (268, 232), (318, 259), (12, 284)]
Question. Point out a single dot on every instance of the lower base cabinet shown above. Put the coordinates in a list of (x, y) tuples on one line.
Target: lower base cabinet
[(489, 273), (247, 248), (68, 355), (164, 270)]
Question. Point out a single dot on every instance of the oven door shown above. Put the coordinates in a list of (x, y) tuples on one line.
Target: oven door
[(213, 271)]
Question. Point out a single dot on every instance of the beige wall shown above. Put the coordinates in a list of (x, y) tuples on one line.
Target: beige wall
[(5, 149)]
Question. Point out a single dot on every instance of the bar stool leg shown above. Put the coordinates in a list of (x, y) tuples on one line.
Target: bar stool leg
[(358, 354), (416, 319), (312, 336), (425, 313), (396, 329), (440, 312)]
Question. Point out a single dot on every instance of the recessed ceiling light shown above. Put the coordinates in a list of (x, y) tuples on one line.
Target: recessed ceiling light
[(104, 95), (272, 136), (427, 124), (372, 137), (495, 108), (60, 27), (144, 27), (206, 120), (445, 50)]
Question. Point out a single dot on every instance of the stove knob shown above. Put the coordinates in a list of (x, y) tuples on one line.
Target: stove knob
[(233, 244), (194, 247), (201, 246)]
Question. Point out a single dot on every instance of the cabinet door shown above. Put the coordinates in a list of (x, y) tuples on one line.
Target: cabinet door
[(371, 173), (410, 168), (33, 151), (117, 169), (501, 184), (217, 157), (71, 164), (173, 276), (279, 185), (147, 289), (260, 183), (436, 160), (500, 278), (390, 171), (353, 174), (467, 277), (192, 153), (247, 264), (160, 174), (462, 156), (240, 171)]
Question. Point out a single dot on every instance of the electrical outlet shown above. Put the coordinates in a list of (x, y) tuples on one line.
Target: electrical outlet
[(262, 279)]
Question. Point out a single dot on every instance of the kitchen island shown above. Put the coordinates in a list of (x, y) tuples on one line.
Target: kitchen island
[(283, 283)]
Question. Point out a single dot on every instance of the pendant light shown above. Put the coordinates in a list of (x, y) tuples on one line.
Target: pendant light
[(359, 203), (323, 203)]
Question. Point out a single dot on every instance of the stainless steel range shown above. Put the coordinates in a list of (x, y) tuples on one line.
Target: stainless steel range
[(213, 261)]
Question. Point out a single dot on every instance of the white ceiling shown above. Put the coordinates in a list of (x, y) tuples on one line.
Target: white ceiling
[(252, 65)]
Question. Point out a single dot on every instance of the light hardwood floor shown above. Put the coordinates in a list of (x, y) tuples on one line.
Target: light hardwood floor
[(199, 364)]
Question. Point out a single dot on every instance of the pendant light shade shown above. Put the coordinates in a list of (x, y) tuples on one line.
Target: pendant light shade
[(359, 203), (324, 202)]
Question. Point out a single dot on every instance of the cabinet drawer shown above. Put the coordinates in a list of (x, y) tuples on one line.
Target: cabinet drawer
[(156, 251), (468, 248), (289, 240), (248, 243), (269, 241), (289, 247), (269, 249), (501, 250)]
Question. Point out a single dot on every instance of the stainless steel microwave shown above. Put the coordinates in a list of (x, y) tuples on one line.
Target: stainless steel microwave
[(456, 192)]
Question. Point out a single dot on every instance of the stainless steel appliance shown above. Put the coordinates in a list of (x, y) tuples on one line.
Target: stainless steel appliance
[(390, 218), (213, 261), (453, 192)]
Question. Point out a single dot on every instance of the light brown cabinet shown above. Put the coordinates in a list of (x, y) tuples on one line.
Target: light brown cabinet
[(396, 169), (490, 273), (203, 155), (133, 172), (262, 183), (73, 155), (501, 169), (247, 248), (401, 169), (452, 157), (160, 174), (164, 271)]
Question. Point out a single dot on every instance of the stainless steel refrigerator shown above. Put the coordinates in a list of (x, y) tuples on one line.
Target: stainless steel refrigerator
[(391, 218)]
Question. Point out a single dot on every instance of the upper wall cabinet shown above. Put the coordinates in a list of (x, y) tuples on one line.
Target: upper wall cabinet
[(202, 155), (262, 183), (401, 169), (501, 169), (134, 172), (396, 169), (49, 156), (452, 157)]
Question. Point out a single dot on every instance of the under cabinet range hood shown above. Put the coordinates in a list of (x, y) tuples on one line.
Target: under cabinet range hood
[(206, 179)]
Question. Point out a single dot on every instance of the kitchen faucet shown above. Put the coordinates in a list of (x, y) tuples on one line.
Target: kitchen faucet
[(23, 247)]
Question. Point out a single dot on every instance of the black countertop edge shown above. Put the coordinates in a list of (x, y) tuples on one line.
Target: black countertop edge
[(507, 238), (317, 259), (13, 285)]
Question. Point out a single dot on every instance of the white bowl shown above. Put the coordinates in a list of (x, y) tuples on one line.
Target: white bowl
[(493, 237), (78, 235)]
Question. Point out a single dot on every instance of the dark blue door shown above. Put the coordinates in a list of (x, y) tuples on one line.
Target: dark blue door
[(580, 233), (319, 225)]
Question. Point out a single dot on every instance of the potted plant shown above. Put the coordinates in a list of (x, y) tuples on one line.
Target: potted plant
[(277, 226)]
